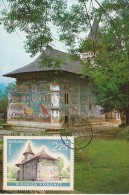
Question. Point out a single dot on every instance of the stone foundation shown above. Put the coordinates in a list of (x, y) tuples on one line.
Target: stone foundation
[(36, 125)]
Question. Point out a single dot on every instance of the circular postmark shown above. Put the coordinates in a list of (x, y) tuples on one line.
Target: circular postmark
[(84, 136)]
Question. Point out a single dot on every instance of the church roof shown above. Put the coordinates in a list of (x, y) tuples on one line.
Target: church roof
[(67, 64), (28, 150), (41, 154)]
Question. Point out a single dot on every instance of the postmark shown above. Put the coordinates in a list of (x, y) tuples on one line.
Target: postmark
[(38, 163), (85, 136)]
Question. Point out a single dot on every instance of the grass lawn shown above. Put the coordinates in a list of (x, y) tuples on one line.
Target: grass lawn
[(102, 167)]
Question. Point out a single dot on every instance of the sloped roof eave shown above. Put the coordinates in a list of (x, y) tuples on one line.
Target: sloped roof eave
[(36, 157), (15, 75), (67, 64)]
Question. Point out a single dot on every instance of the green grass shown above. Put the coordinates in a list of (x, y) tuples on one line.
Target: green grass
[(116, 132), (103, 167)]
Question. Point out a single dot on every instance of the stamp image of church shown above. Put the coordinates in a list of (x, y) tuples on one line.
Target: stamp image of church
[(37, 167)]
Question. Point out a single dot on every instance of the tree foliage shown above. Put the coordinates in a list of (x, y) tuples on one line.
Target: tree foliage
[(37, 18), (60, 164), (110, 71), (11, 172), (4, 98)]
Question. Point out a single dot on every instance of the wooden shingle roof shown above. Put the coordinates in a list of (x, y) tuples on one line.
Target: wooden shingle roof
[(67, 64), (42, 155), (28, 150)]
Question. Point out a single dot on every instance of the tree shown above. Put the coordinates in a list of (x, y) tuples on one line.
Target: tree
[(11, 172), (110, 73), (4, 98), (60, 164), (3, 105), (38, 18)]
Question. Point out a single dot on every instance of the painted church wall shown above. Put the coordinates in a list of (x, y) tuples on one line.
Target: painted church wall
[(49, 98), (30, 101)]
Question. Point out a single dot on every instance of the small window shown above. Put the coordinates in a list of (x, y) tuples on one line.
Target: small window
[(90, 106), (67, 98)]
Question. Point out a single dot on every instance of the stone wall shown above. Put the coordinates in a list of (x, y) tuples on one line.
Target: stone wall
[(30, 170), (47, 172)]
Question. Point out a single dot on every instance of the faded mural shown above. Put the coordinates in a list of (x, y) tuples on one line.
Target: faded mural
[(50, 101), (30, 102)]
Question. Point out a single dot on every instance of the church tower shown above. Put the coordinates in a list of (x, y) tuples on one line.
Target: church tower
[(28, 153), (89, 54)]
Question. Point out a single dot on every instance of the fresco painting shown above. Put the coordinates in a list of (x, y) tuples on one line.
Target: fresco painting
[(44, 101), (55, 116), (33, 105), (55, 99)]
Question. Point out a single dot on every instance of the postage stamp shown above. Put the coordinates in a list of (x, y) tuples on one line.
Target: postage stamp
[(38, 163)]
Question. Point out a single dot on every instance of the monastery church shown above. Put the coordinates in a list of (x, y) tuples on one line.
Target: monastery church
[(37, 167)]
